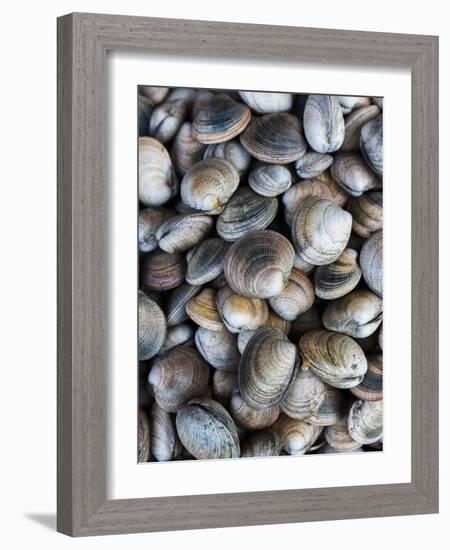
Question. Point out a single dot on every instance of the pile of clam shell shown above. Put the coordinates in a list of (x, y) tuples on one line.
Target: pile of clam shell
[(260, 294)]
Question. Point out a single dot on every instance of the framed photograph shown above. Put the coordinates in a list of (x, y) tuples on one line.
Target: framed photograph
[(247, 274)]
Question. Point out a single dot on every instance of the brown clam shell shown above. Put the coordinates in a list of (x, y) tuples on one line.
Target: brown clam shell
[(162, 271)]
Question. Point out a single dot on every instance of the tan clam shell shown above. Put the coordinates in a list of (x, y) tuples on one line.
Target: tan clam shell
[(335, 358), (323, 123), (156, 94), (231, 151), (266, 368), (304, 396), (298, 193), (205, 261), (367, 213), (371, 262), (164, 442), (176, 304), (152, 327), (176, 336), (248, 418), (218, 348), (312, 164), (261, 444), (223, 384), (259, 264), (297, 436), (157, 179), (209, 184), (339, 196), (219, 118), (296, 298), (351, 172), (162, 271), (348, 103), (357, 314), (274, 321), (365, 421), (240, 313), (178, 376), (338, 278), (203, 311), (207, 430), (275, 138), (150, 219), (371, 387), (338, 437), (333, 408), (166, 119), (186, 150), (353, 124), (143, 449), (268, 102), (320, 230), (180, 233), (270, 180)]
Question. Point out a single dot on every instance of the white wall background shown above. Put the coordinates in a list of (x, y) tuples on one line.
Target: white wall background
[(28, 274)]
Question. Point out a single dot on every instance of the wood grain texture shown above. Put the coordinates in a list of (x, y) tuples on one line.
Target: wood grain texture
[(83, 41)]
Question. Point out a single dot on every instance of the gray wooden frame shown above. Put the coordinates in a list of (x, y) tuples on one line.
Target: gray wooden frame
[(83, 41)]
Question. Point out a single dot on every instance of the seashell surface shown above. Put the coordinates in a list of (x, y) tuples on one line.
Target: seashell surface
[(270, 180), (186, 150), (177, 335), (338, 278), (332, 409), (205, 261), (231, 151), (371, 262), (304, 396), (240, 313), (365, 421), (251, 419), (152, 327), (297, 436), (158, 182), (348, 103), (261, 443), (371, 387), (167, 118), (180, 233), (163, 271), (218, 348), (267, 102), (223, 384), (353, 124), (203, 311), (371, 143), (296, 298), (164, 443), (259, 264), (312, 164), (143, 437), (310, 320), (323, 123), (298, 193), (150, 219), (338, 437), (338, 194), (367, 213), (352, 174), (156, 94), (176, 304)]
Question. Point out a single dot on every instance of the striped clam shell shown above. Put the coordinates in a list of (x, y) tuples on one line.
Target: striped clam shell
[(205, 261), (220, 118), (371, 143), (353, 124), (338, 278), (367, 213), (353, 175), (304, 396), (207, 430), (178, 376), (371, 262), (339, 196), (150, 220), (259, 264), (320, 230), (240, 313), (335, 358), (297, 436), (209, 184), (261, 444), (323, 123), (312, 164), (365, 421), (296, 298), (270, 180), (251, 419), (332, 409), (296, 195), (223, 384), (186, 150), (275, 138), (274, 321), (348, 103), (246, 211), (267, 368), (152, 327), (167, 118), (158, 182), (176, 304), (203, 311), (143, 437), (371, 387), (218, 348), (338, 437), (357, 314), (163, 271), (180, 233), (268, 102), (164, 442), (231, 151)]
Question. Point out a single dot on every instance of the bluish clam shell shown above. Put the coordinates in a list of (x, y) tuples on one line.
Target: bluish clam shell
[(323, 123), (371, 143)]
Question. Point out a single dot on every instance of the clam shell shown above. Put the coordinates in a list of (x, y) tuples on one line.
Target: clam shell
[(180, 233), (353, 124), (246, 211), (267, 368), (223, 383), (156, 94), (365, 421), (143, 437), (205, 261), (302, 265), (348, 103), (240, 313), (357, 314), (297, 436), (320, 230), (270, 180), (220, 118), (352, 174), (339, 196), (335, 358), (186, 150), (260, 444), (338, 437), (371, 143), (248, 418), (145, 108), (218, 348), (176, 336), (176, 304), (150, 220), (259, 264), (207, 430), (162, 271), (152, 327), (274, 321), (231, 151), (158, 182), (167, 118), (296, 298), (312, 164), (209, 184), (304, 396), (203, 311), (164, 442), (268, 102), (371, 262), (178, 376), (367, 213), (275, 138), (371, 387), (298, 193), (378, 101), (332, 409), (323, 123), (339, 278)]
